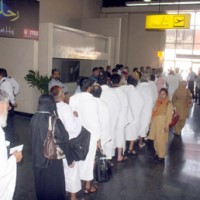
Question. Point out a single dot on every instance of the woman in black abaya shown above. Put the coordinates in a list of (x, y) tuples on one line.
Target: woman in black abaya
[(48, 174)]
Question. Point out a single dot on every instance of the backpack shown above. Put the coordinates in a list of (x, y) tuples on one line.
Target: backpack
[(51, 149)]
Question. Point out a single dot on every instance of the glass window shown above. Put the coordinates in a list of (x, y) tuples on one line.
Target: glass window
[(188, 36), (192, 21), (197, 36), (196, 50), (182, 47), (170, 36), (180, 36), (168, 64), (170, 46), (170, 54), (183, 50), (183, 64), (197, 21), (69, 69)]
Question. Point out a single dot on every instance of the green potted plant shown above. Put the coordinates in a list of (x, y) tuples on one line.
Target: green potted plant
[(34, 79)]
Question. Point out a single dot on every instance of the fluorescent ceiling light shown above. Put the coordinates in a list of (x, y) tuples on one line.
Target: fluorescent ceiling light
[(131, 3), (147, 0)]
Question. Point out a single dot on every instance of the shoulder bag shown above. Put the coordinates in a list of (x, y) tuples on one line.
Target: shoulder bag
[(80, 145), (51, 149)]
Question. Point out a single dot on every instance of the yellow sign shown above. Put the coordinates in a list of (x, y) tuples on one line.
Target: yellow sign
[(160, 54), (168, 21)]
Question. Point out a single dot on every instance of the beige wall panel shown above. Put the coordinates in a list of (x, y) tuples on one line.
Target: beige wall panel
[(143, 45), (18, 56), (124, 35), (68, 12), (62, 12), (91, 8), (110, 27)]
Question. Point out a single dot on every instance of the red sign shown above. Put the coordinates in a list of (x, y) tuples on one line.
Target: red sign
[(31, 34)]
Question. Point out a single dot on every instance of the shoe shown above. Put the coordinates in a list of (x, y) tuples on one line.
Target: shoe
[(142, 145), (154, 156), (160, 160), (176, 134)]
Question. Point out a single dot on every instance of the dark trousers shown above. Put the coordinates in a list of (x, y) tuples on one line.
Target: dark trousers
[(197, 94), (9, 129), (191, 87)]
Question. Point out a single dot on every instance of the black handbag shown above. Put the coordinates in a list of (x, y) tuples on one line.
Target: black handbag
[(80, 145), (102, 169)]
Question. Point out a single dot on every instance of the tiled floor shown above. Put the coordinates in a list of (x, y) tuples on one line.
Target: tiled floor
[(139, 178)]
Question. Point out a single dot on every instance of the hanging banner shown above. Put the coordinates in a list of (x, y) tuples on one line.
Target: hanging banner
[(167, 21), (19, 19)]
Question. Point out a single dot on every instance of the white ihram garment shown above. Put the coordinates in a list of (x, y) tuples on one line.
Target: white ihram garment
[(104, 117), (124, 118), (73, 127), (112, 101), (87, 108), (136, 103), (8, 171), (144, 89), (154, 91), (173, 83)]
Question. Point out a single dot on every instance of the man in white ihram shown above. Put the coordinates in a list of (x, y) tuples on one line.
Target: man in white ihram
[(144, 89), (124, 118), (86, 106), (8, 169), (112, 101)]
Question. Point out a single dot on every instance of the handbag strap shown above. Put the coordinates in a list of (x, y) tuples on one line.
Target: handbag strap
[(52, 123)]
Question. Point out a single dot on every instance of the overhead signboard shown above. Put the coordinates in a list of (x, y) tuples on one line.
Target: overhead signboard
[(167, 21), (19, 18)]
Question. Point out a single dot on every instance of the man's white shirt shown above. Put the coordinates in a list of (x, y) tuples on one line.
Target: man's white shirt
[(7, 87)]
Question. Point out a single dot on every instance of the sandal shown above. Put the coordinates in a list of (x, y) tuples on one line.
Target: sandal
[(131, 152), (92, 189), (124, 158), (141, 145)]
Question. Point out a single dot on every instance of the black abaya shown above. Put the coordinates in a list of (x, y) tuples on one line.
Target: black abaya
[(50, 182)]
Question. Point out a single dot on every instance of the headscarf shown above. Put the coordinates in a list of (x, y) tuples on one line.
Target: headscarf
[(160, 104), (46, 103)]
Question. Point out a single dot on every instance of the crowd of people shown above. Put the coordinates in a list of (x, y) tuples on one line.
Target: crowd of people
[(115, 106)]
